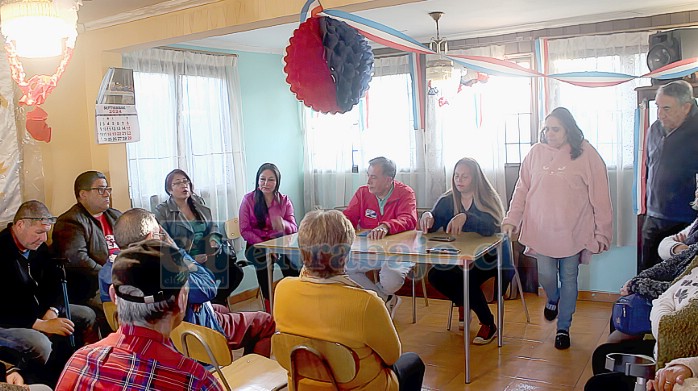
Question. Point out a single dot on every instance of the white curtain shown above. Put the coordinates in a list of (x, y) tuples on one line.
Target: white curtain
[(470, 123), (338, 147), (606, 115), (190, 117), (10, 156)]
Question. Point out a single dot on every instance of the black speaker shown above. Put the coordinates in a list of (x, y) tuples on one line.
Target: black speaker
[(671, 46)]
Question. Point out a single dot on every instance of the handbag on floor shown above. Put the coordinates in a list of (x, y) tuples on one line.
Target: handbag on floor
[(631, 314)]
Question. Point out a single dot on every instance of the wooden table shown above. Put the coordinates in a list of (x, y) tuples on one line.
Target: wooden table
[(413, 246)]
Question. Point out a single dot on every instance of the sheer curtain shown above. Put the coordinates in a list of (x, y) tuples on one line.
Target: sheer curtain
[(470, 123), (606, 115), (189, 112), (338, 147)]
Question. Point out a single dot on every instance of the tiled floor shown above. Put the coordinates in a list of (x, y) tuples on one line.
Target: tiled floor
[(528, 360)]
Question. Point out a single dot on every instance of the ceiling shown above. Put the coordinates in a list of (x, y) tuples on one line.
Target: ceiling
[(462, 19)]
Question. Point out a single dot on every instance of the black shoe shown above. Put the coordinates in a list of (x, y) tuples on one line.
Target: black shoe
[(550, 311), (562, 340)]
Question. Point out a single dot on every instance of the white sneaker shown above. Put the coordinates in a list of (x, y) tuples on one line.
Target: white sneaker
[(393, 302)]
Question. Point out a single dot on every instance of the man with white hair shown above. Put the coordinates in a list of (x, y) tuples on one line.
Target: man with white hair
[(150, 291), (671, 168)]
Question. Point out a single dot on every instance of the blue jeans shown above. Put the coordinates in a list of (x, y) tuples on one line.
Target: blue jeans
[(566, 294)]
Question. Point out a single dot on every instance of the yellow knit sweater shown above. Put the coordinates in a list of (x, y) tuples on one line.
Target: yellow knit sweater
[(339, 313)]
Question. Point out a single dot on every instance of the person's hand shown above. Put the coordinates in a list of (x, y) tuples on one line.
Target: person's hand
[(214, 246), (201, 258), (58, 326), (379, 232), (165, 237), (665, 378), (426, 222), (508, 230), (677, 249), (277, 222), (15, 378), (455, 226), (625, 290)]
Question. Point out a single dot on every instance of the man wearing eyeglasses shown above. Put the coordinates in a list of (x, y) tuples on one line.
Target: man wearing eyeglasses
[(32, 312), (84, 236)]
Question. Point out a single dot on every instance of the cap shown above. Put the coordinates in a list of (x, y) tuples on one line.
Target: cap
[(156, 268)]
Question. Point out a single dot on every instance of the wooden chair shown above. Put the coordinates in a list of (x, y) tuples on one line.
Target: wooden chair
[(250, 372), (315, 359), (110, 313)]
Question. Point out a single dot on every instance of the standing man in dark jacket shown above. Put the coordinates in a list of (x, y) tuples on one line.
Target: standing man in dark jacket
[(84, 236), (32, 312), (672, 169)]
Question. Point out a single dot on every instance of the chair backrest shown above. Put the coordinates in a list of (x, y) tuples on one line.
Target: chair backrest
[(202, 344), (110, 313), (315, 359), (232, 228)]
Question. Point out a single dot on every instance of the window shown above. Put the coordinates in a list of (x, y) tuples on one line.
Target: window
[(189, 120)]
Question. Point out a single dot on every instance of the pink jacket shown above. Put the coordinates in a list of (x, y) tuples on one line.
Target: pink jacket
[(562, 206), (248, 221), (400, 212)]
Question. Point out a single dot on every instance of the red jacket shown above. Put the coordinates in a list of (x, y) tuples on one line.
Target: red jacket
[(400, 212)]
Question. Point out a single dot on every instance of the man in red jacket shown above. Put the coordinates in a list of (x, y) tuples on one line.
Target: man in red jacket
[(385, 207)]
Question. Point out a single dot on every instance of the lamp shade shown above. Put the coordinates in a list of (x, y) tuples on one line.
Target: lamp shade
[(39, 28)]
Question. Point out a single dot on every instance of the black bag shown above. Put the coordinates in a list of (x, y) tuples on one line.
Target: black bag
[(223, 264)]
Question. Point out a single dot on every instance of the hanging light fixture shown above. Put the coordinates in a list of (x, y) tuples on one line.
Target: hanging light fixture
[(439, 68), (38, 29)]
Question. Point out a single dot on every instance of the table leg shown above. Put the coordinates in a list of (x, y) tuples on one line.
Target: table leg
[(500, 296), (270, 279), (466, 320)]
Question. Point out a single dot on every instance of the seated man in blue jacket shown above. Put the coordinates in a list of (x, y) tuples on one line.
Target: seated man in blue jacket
[(249, 330), (33, 319)]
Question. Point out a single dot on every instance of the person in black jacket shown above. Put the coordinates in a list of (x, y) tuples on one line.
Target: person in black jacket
[(84, 237), (32, 312), (671, 168)]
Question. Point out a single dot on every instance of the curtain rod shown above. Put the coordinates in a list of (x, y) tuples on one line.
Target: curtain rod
[(199, 51)]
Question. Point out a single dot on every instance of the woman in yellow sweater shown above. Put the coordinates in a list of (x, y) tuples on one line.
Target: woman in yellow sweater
[(324, 303)]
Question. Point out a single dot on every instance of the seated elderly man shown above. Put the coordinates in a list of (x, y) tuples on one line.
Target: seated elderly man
[(357, 318), (384, 206), (150, 291), (33, 320), (249, 330)]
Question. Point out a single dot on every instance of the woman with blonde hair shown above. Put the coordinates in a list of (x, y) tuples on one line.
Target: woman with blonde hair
[(472, 205), (324, 303)]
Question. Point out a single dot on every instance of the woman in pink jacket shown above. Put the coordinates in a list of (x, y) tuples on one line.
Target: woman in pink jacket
[(266, 214), (562, 208)]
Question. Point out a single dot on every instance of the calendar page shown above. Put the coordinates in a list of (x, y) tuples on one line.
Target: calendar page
[(116, 124)]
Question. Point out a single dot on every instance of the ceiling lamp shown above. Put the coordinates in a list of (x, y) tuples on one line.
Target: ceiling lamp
[(38, 29), (439, 68)]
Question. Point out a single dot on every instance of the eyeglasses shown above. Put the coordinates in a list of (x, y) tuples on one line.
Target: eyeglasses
[(44, 220), (102, 190), (183, 182)]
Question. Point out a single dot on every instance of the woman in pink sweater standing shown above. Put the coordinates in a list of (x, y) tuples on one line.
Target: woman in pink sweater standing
[(562, 208)]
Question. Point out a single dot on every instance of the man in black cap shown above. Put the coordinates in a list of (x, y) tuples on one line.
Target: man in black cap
[(149, 287), (32, 313)]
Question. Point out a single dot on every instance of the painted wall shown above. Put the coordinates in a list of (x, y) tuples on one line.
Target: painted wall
[(271, 124)]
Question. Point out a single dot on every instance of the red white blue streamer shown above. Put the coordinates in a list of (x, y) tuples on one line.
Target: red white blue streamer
[(392, 38)]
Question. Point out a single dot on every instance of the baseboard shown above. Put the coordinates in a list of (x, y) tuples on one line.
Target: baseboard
[(604, 297)]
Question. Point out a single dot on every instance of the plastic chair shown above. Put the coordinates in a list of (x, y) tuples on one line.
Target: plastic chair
[(250, 372), (110, 313), (315, 359)]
